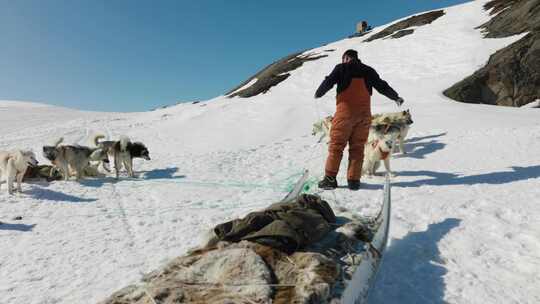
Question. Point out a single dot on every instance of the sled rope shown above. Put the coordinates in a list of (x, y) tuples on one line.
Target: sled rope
[(280, 186), (149, 295), (286, 185), (222, 285), (129, 232)]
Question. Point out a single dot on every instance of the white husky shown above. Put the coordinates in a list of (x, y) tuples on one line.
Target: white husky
[(376, 151), (13, 165), (402, 120), (322, 127)]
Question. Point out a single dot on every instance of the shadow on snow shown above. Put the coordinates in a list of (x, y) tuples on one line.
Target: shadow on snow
[(495, 178), (167, 173), (16, 227), (412, 271), (420, 148), (51, 195)]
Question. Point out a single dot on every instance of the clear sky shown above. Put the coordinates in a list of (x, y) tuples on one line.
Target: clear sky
[(131, 55)]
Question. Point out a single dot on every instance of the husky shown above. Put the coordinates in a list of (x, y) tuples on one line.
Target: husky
[(402, 120), (375, 151), (123, 151), (322, 127), (13, 166), (51, 173), (73, 158)]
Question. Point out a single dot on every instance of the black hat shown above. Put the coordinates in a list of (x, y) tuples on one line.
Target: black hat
[(350, 53)]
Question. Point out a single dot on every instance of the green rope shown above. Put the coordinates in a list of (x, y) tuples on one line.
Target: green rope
[(291, 181), (286, 185), (310, 185)]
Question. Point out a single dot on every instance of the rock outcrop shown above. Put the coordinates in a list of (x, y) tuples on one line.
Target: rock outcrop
[(273, 74), (416, 20), (511, 17), (512, 75)]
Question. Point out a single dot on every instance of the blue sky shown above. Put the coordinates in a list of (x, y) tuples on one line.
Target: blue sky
[(120, 55)]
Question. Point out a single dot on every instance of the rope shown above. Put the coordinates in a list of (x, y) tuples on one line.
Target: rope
[(281, 186), (312, 181), (149, 295), (128, 229), (221, 285), (285, 186)]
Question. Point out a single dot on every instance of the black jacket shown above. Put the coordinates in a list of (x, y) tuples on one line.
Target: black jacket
[(343, 73)]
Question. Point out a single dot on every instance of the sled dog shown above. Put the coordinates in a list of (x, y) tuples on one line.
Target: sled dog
[(123, 151), (375, 151), (74, 158), (13, 165), (322, 127), (402, 120)]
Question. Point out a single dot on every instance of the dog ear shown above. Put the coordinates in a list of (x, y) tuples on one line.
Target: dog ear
[(19, 153)]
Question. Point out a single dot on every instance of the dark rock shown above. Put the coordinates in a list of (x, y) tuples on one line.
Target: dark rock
[(512, 75), (417, 20), (17, 218), (510, 78), (273, 75), (511, 17), (402, 33)]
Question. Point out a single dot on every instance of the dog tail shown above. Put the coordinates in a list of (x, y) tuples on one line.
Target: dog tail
[(59, 141), (97, 138), (124, 141)]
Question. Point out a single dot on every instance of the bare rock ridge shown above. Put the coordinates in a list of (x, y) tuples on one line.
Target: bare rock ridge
[(511, 17), (510, 78), (273, 74), (278, 71), (512, 75), (401, 28)]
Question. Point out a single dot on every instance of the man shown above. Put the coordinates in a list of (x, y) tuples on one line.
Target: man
[(361, 27), (355, 82)]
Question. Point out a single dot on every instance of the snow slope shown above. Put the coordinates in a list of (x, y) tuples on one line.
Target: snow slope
[(465, 225)]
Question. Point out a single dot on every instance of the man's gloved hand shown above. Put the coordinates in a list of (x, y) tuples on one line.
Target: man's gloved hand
[(399, 101)]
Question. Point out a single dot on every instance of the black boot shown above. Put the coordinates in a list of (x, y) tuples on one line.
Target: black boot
[(353, 184), (328, 183)]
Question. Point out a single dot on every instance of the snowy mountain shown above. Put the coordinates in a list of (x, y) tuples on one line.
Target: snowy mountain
[(465, 199)]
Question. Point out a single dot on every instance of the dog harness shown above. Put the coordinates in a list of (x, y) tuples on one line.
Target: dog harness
[(384, 155)]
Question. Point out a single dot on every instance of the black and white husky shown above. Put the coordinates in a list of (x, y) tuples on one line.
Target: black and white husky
[(123, 151)]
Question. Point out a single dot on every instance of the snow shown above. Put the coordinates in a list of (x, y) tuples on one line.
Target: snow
[(465, 199), (247, 85)]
